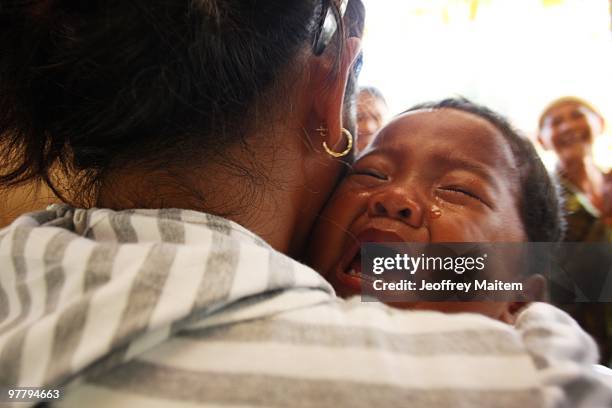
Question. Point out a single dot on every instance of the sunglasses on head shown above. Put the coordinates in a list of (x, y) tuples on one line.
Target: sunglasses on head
[(327, 25)]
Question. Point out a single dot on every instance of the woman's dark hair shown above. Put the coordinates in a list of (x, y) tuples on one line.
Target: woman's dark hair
[(93, 85), (541, 211)]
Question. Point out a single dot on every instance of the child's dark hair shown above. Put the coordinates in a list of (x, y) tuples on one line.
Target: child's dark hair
[(540, 206)]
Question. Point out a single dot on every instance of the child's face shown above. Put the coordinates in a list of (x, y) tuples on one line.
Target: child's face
[(429, 176)]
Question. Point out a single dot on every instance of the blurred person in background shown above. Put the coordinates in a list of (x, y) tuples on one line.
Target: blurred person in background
[(568, 126), (372, 113)]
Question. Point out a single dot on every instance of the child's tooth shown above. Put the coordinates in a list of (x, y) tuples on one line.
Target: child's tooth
[(366, 277), (353, 272)]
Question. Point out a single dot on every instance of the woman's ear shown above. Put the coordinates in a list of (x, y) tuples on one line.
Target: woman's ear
[(330, 82)]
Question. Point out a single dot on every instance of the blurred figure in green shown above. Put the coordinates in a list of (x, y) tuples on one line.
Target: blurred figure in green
[(568, 126)]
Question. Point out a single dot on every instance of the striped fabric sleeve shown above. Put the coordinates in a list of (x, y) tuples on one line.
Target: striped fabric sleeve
[(358, 355), (565, 357), (328, 355), (94, 285)]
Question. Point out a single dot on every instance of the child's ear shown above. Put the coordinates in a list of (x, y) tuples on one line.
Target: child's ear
[(511, 311), (534, 288)]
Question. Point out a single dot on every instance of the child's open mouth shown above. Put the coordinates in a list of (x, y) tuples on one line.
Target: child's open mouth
[(349, 273), (354, 268)]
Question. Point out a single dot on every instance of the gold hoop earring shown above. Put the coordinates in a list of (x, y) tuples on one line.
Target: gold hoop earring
[(346, 151)]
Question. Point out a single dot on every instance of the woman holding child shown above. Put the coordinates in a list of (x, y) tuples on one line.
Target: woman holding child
[(199, 141)]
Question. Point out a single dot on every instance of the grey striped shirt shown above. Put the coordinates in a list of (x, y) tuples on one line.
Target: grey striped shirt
[(179, 308)]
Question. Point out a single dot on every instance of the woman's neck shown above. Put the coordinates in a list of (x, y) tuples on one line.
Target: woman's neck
[(271, 197)]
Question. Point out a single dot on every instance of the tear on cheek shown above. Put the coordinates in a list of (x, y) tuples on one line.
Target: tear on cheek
[(435, 212)]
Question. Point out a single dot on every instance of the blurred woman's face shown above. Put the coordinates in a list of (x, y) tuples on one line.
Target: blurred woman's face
[(371, 115), (568, 130)]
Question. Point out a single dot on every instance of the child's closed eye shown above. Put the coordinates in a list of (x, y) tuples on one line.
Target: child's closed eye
[(459, 193), (368, 172)]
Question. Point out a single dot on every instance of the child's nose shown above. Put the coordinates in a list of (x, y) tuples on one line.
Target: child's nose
[(395, 203)]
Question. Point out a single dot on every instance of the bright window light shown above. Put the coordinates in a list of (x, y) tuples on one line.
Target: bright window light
[(513, 56)]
